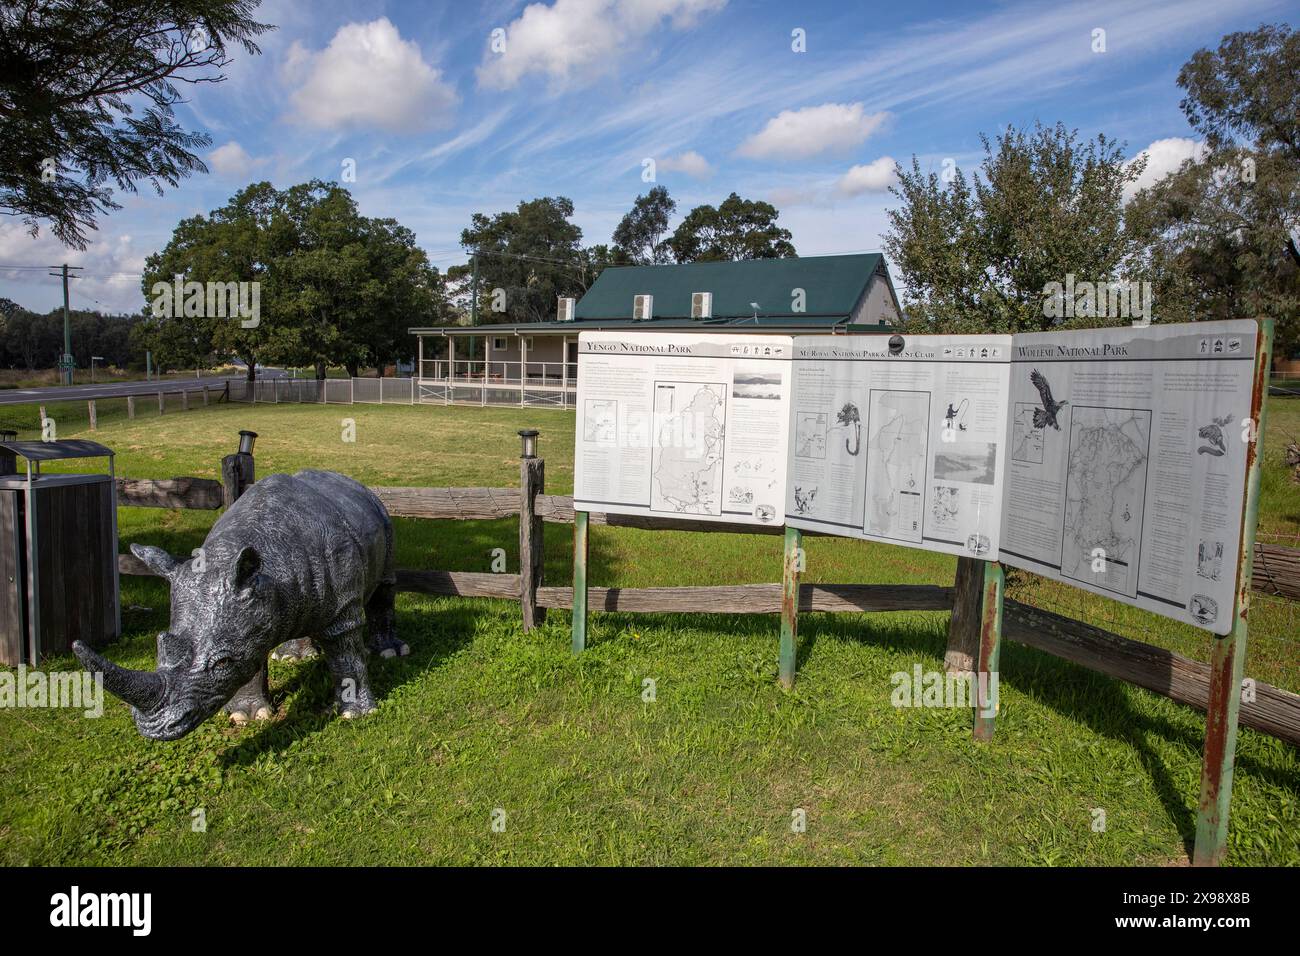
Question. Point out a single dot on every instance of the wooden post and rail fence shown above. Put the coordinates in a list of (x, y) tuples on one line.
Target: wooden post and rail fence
[(981, 616), (208, 393), (1274, 711)]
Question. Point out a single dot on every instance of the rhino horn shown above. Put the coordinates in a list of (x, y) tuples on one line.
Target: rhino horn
[(143, 690)]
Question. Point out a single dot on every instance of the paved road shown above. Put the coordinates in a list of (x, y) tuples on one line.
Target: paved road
[(69, 393)]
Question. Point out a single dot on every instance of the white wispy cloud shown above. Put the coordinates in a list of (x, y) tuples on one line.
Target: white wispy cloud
[(574, 42), (232, 160), (368, 76), (873, 177), (109, 274), (690, 162), (799, 134)]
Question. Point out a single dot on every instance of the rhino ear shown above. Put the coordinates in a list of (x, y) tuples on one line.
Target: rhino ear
[(159, 561), (247, 564)]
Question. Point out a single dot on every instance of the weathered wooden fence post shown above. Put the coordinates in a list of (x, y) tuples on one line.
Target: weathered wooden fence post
[(1228, 661), (532, 480), (579, 582), (162, 404), (94, 419), (185, 400), (130, 407), (984, 683), (964, 626), (205, 396), (238, 471), (791, 565)]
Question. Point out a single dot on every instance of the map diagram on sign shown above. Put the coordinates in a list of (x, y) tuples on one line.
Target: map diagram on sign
[(810, 434), (1105, 486), (1026, 437), (600, 422), (897, 445), (686, 467)]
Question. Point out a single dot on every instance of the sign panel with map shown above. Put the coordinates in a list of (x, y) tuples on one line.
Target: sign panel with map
[(1128, 463), (905, 445), (683, 424), (1110, 459)]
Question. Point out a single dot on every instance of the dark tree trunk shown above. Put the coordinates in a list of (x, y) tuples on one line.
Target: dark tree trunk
[(251, 363), (320, 371)]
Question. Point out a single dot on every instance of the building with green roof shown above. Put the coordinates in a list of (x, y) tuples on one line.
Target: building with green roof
[(535, 363)]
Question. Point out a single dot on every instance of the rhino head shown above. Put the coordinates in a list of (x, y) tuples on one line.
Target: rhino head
[(222, 613)]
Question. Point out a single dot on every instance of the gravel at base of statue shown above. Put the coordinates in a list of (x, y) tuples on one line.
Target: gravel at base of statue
[(305, 556)]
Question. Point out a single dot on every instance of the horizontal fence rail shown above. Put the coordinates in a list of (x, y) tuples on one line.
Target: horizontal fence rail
[(136, 398), (1274, 711), (1277, 569)]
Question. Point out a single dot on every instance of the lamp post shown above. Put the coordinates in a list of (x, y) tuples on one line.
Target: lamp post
[(529, 436), (93, 360)]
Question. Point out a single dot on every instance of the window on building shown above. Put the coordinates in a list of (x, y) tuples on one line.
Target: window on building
[(499, 343)]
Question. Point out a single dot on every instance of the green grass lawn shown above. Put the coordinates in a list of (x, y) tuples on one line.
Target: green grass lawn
[(482, 716)]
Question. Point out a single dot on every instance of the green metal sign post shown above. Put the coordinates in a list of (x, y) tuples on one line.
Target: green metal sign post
[(1228, 661), (579, 582), (790, 568)]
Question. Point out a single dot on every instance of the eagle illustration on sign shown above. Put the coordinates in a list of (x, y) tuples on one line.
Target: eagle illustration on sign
[(1047, 414)]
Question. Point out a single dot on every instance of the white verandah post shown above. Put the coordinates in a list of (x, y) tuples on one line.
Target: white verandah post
[(451, 370), (564, 371), (523, 366)]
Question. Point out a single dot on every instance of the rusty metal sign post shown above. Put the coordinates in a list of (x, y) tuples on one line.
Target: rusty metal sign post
[(1228, 661)]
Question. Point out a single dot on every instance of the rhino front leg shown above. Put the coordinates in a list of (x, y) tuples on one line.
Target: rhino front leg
[(253, 700), (346, 657)]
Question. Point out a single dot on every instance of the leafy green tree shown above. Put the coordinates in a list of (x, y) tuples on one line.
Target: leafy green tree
[(639, 236), (1220, 235), (976, 255), (736, 229), (235, 243), (533, 256), (87, 92), (351, 286), (32, 340), (335, 287)]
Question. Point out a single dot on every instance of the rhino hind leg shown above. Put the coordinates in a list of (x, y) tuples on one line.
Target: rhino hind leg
[(345, 655), (381, 621), (299, 649), (252, 701)]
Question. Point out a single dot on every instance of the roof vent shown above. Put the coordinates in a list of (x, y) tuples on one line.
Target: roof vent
[(643, 307), (701, 305), (564, 313)]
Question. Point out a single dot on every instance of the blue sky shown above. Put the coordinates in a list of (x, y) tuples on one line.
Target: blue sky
[(441, 125)]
